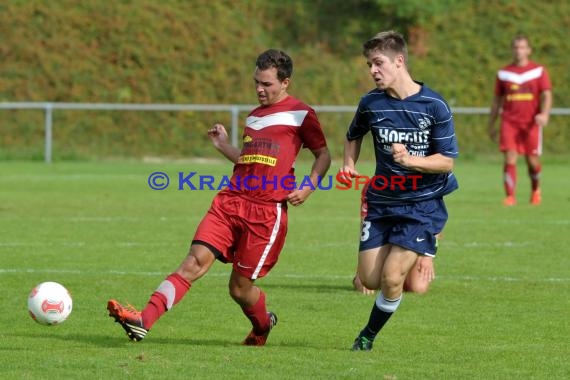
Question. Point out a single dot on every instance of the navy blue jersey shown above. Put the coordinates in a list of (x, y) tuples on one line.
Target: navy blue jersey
[(424, 124)]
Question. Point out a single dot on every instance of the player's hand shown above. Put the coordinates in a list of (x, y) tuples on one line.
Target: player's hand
[(425, 267), (541, 119), (400, 154), (348, 172), (299, 196), (359, 287), (218, 135)]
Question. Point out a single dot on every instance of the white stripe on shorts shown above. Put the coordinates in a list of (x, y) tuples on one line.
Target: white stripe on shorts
[(270, 244)]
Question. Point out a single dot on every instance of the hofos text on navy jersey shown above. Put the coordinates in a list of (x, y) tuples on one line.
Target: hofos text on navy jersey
[(390, 136)]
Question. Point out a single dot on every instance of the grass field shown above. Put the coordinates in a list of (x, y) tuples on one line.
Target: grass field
[(499, 308)]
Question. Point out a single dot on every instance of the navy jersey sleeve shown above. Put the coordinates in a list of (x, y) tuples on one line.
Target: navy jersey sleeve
[(444, 140), (359, 125)]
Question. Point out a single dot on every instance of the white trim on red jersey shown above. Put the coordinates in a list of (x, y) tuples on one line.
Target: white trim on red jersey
[(289, 118), (521, 78)]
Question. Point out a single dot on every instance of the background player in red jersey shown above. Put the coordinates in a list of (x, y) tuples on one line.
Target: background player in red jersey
[(523, 91), (247, 222)]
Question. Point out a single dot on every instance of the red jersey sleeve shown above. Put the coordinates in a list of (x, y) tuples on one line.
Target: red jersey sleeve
[(544, 82), (498, 86), (311, 133)]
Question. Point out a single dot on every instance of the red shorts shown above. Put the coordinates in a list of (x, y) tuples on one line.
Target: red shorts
[(522, 138), (243, 232)]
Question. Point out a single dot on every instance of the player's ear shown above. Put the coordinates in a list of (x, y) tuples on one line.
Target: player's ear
[(400, 60), (285, 83)]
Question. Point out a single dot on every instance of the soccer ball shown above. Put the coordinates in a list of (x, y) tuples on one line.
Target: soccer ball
[(49, 303)]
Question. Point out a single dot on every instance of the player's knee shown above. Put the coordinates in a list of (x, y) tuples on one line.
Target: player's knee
[(392, 280), (369, 281), (239, 293), (193, 267), (235, 292), (418, 288)]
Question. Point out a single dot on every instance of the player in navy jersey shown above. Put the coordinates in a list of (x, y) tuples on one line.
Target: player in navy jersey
[(415, 146), (246, 224)]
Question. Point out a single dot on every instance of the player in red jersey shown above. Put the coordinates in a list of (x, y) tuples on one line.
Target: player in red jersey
[(247, 222), (523, 91)]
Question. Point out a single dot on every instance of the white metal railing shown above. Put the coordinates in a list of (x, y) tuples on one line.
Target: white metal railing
[(234, 109)]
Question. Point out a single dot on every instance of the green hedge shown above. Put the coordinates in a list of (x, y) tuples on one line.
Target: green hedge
[(202, 51), (139, 135)]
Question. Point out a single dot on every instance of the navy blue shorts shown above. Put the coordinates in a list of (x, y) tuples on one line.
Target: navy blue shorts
[(412, 226)]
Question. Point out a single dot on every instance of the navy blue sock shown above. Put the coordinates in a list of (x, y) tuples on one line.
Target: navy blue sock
[(381, 311)]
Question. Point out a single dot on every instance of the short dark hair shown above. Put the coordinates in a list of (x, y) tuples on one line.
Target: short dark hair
[(520, 37), (278, 59), (389, 42)]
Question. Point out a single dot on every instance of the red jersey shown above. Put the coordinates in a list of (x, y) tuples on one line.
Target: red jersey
[(521, 87), (272, 138)]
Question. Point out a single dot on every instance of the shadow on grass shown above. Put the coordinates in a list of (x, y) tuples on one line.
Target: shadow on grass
[(317, 288), (120, 340)]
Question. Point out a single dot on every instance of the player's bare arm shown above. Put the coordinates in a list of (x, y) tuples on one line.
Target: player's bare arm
[(545, 107), (493, 115), (319, 169), (351, 154), (435, 163), (220, 139)]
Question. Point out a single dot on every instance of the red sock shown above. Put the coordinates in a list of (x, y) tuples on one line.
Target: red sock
[(534, 174), (510, 179), (168, 294), (257, 314)]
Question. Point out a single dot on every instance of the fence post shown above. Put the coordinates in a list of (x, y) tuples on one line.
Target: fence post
[(48, 132)]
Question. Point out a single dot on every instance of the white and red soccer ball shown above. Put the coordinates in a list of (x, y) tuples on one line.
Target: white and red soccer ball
[(49, 303)]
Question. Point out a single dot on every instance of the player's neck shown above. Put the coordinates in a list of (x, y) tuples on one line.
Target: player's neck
[(282, 97), (404, 89), (279, 99), (521, 62)]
